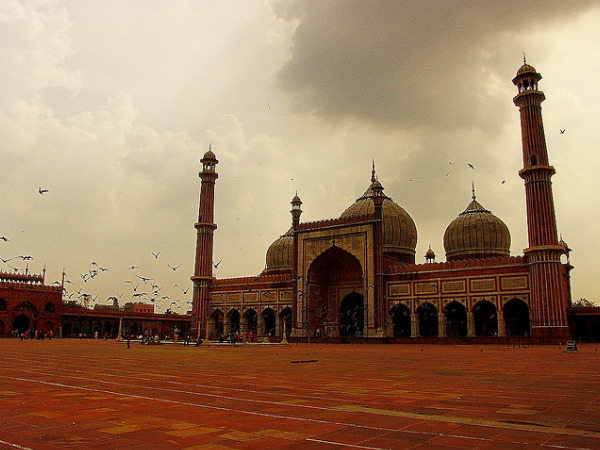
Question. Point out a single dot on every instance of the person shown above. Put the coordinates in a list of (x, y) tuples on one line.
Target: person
[(50, 335), (128, 341)]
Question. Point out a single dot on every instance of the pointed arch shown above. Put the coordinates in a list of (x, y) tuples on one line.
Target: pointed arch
[(486, 319), (401, 320), (428, 320), (516, 318), (455, 315)]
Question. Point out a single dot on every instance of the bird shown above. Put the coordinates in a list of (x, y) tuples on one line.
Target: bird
[(5, 239), (144, 279), (562, 131), (155, 255), (216, 265), (471, 166), (450, 163), (5, 260), (174, 268), (503, 181), (25, 257), (133, 267), (185, 291), (42, 191)]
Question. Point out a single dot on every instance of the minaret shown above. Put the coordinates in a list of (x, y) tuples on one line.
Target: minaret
[(298, 281), (378, 291), (205, 228), (549, 298)]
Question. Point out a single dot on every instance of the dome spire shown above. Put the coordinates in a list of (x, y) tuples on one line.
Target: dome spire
[(473, 190), (373, 176)]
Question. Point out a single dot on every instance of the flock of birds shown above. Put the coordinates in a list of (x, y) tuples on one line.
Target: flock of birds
[(136, 288)]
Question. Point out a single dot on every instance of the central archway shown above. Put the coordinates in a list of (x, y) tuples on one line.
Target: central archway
[(352, 315), (333, 274)]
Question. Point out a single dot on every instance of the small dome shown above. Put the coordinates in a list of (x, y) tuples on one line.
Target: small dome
[(280, 255), (429, 254), (209, 155), (476, 233), (526, 68), (399, 230)]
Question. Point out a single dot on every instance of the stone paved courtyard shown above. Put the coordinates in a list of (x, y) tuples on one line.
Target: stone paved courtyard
[(91, 394)]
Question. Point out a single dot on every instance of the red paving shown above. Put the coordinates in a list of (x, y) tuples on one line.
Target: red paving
[(90, 394)]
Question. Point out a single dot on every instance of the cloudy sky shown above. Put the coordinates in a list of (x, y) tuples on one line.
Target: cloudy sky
[(110, 105)]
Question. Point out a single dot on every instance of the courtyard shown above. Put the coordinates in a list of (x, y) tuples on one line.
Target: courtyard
[(94, 394)]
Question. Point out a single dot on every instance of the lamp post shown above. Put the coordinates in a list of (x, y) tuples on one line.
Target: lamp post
[(120, 336)]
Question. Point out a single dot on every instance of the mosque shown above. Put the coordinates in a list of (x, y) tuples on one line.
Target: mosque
[(355, 277)]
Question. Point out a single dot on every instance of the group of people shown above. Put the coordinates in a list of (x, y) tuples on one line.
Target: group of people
[(36, 335), (235, 336)]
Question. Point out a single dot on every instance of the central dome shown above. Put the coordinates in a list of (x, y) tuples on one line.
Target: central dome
[(399, 230), (476, 233)]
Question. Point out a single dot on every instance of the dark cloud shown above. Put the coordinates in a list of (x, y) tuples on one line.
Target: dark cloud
[(409, 64)]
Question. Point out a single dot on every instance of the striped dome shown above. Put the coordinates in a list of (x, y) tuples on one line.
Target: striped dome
[(280, 254), (399, 230), (476, 233)]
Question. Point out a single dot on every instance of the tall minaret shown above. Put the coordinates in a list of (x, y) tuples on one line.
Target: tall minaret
[(204, 244), (549, 298)]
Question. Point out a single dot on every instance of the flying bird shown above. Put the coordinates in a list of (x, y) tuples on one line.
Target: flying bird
[(562, 131), (174, 268), (155, 255), (5, 260), (503, 181), (4, 238), (25, 257), (132, 267), (144, 279), (470, 166), (216, 265), (42, 191)]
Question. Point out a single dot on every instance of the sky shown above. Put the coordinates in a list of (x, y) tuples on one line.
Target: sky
[(110, 105)]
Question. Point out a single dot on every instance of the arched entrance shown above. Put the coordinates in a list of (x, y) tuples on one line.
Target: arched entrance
[(268, 322), (332, 272), (286, 321), (251, 321), (233, 319), (428, 320), (456, 320), (516, 318), (21, 323), (216, 326), (486, 319), (352, 315), (401, 320)]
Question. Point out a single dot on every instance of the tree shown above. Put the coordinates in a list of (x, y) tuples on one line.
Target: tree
[(583, 303)]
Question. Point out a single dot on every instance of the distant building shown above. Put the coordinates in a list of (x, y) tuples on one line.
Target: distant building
[(26, 303), (355, 276), (139, 307)]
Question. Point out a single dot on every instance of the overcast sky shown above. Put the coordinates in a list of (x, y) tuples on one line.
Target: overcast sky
[(110, 105)]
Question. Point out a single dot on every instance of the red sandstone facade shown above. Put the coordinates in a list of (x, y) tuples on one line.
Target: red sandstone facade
[(356, 276), (26, 303)]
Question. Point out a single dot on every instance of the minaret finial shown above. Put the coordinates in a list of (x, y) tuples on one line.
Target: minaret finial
[(524, 59), (373, 176), (473, 189)]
